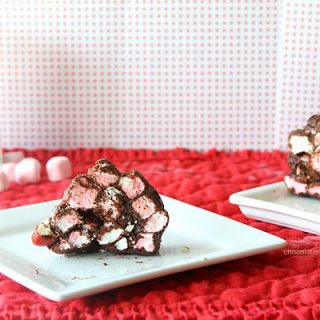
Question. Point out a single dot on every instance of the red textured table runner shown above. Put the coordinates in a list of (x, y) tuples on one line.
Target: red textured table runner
[(268, 286)]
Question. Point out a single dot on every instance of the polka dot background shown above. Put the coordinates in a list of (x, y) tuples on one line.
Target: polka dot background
[(299, 66), (156, 74)]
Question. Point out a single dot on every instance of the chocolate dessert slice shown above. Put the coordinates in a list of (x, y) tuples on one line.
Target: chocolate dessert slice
[(304, 159), (105, 210)]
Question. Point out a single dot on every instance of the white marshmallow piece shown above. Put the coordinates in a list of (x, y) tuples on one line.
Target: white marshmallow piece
[(14, 156), (297, 187), (59, 168), (300, 144), (315, 160), (28, 171), (4, 182), (9, 170)]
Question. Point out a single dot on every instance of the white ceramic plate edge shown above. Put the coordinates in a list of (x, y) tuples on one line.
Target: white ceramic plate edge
[(12, 268), (79, 291), (243, 198), (275, 213)]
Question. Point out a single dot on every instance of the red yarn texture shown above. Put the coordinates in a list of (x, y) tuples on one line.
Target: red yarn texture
[(268, 286)]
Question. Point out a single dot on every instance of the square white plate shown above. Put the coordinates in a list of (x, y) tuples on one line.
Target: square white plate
[(275, 204), (193, 239)]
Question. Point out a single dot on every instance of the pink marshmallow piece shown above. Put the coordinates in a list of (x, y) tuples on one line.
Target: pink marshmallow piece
[(59, 168), (9, 170), (4, 182), (13, 156), (28, 171)]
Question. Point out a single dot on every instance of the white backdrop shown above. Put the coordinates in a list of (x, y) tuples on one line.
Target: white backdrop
[(157, 74)]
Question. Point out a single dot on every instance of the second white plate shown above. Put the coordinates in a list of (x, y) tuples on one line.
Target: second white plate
[(193, 239), (275, 204)]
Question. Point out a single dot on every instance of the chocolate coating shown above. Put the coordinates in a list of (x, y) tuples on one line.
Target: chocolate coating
[(304, 159), (109, 210)]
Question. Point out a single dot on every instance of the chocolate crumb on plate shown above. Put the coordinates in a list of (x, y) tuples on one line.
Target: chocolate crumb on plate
[(185, 249)]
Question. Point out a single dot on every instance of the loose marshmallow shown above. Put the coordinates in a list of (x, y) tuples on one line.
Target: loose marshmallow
[(9, 170), (15, 156), (59, 168), (28, 171), (4, 182)]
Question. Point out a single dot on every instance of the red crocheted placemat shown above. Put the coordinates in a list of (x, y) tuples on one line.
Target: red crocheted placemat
[(268, 286)]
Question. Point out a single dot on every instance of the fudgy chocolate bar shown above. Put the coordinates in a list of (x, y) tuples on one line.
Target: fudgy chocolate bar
[(304, 159), (105, 210)]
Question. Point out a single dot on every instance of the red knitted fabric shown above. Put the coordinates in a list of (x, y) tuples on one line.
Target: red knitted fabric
[(268, 286)]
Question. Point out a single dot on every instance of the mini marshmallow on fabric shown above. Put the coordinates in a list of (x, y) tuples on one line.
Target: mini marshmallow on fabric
[(14, 156), (4, 182), (59, 168), (28, 171), (9, 170)]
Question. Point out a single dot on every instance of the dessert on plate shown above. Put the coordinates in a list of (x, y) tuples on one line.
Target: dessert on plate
[(105, 210), (304, 159)]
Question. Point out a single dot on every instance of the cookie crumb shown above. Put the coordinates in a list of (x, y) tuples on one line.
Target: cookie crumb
[(82, 278), (185, 249)]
